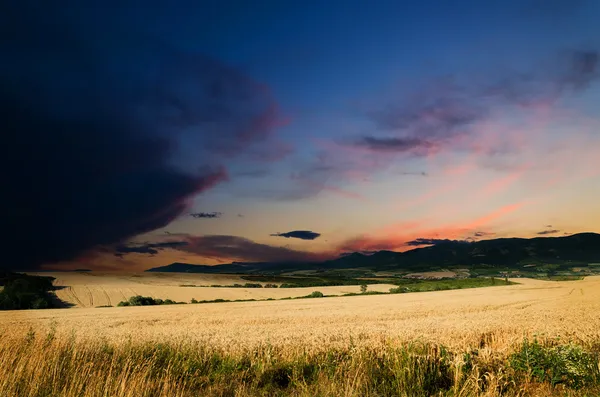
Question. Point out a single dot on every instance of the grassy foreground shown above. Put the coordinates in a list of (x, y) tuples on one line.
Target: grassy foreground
[(51, 365)]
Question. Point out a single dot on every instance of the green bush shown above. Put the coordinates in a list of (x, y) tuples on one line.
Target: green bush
[(22, 291), (315, 294), (139, 300), (289, 285), (565, 364), (253, 285)]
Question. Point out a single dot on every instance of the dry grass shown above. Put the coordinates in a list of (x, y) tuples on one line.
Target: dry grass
[(92, 289), (363, 329)]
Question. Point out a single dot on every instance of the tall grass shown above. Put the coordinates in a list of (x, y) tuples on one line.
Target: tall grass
[(36, 365)]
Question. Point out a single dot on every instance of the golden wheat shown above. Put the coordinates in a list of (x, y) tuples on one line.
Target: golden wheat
[(108, 289), (456, 318), (67, 356)]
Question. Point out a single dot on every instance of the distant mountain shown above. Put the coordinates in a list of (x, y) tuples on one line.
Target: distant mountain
[(501, 252)]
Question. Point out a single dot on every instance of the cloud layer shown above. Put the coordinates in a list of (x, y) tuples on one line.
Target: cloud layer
[(94, 113), (235, 248), (546, 232), (147, 248), (494, 115), (299, 234), (443, 112), (431, 241), (208, 215)]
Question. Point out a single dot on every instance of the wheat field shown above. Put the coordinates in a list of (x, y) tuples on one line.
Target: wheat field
[(456, 318), (93, 289), (442, 343)]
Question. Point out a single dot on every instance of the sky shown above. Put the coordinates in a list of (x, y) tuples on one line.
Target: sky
[(137, 134)]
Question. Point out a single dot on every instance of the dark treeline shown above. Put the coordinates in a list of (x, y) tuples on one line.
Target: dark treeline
[(23, 291)]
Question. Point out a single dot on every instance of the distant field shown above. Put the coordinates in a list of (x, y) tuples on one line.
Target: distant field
[(92, 289), (455, 318)]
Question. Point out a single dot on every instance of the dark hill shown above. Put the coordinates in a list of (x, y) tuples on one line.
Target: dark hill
[(502, 252)]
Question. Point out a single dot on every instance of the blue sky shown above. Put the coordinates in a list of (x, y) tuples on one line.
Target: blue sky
[(369, 123)]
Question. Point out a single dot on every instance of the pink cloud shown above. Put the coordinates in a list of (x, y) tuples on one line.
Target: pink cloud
[(396, 236)]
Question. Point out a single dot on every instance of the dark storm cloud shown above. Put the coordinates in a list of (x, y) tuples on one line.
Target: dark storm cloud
[(431, 241), (95, 111), (209, 215), (550, 231), (242, 249), (300, 234), (148, 248)]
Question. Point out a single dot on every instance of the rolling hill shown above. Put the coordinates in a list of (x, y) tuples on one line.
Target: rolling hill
[(503, 253)]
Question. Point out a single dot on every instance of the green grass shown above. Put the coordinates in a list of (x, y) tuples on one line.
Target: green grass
[(246, 285), (405, 285), (312, 281), (567, 364), (563, 278)]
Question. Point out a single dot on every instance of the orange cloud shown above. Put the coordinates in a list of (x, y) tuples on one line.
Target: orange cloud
[(413, 230)]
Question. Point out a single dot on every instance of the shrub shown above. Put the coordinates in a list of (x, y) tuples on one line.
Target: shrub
[(289, 285), (139, 300), (315, 294), (363, 288), (566, 364), (23, 291)]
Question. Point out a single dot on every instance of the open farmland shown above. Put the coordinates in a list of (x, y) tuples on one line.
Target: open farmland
[(455, 318), (470, 342), (92, 289)]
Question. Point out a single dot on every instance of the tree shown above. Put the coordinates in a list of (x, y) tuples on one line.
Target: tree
[(363, 288)]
